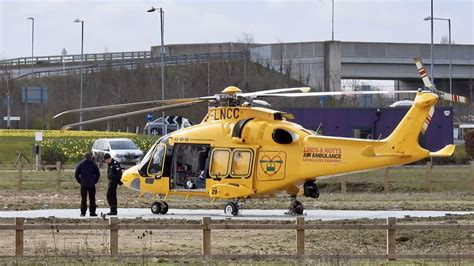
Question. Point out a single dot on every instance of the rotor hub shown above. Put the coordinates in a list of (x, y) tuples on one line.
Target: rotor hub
[(231, 90)]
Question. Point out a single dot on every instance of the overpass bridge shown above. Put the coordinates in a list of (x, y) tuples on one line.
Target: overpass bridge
[(323, 64)]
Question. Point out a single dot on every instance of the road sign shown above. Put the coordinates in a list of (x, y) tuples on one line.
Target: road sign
[(34, 94), (177, 120), (322, 100), (12, 118), (39, 136), (149, 117)]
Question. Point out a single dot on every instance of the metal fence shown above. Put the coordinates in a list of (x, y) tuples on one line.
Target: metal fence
[(99, 62), (73, 59)]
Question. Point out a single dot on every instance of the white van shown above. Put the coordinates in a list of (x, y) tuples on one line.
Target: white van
[(123, 150)]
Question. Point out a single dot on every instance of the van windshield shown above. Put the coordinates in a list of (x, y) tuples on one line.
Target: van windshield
[(122, 145)]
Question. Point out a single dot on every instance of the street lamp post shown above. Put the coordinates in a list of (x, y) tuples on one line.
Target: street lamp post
[(82, 62), (332, 22), (32, 60), (162, 59), (449, 49), (432, 47)]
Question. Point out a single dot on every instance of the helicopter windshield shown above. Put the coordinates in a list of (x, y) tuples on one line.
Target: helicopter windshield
[(156, 164), (156, 156)]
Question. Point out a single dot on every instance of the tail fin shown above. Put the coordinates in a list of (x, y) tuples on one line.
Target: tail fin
[(404, 139), (428, 118), (444, 152)]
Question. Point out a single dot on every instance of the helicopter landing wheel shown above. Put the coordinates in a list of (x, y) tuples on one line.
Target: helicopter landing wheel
[(296, 208), (156, 207), (164, 207), (231, 208), (159, 207)]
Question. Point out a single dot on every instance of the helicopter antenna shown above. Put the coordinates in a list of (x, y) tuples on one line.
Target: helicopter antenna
[(320, 124), (380, 136)]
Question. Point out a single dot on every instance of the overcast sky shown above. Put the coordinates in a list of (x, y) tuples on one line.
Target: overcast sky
[(124, 25)]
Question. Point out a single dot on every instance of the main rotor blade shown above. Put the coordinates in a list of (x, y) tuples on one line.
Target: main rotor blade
[(258, 93), (124, 105), (333, 93), (160, 108)]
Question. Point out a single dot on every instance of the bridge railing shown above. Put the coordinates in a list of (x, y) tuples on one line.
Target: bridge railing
[(131, 62), (75, 58)]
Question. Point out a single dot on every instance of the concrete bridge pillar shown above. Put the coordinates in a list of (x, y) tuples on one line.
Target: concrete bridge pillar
[(332, 66), (316, 64)]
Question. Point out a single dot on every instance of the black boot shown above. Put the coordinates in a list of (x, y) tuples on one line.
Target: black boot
[(113, 211)]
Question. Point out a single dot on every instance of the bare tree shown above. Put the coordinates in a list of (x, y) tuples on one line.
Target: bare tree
[(281, 46), (5, 74), (334, 80), (245, 42), (444, 39)]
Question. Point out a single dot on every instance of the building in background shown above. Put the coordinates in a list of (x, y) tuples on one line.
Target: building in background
[(374, 123)]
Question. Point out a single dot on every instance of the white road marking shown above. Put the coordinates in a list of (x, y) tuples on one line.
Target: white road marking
[(246, 214)]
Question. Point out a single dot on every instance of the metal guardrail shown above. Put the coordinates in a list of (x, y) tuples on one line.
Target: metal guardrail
[(76, 58), (129, 63)]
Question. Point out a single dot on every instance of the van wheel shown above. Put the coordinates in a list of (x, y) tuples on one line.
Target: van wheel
[(155, 131)]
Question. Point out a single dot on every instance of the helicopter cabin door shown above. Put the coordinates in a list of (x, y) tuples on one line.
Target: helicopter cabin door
[(232, 165), (190, 166)]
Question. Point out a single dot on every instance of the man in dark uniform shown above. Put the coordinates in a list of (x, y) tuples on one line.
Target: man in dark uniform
[(87, 174), (114, 174)]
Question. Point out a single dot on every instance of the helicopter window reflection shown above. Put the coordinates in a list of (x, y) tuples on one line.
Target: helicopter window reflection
[(241, 163), (220, 163), (157, 163)]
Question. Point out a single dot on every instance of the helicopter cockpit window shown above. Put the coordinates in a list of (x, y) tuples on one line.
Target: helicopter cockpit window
[(241, 163), (156, 164), (143, 167), (220, 163)]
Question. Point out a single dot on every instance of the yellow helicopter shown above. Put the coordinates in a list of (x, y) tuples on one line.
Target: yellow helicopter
[(240, 151)]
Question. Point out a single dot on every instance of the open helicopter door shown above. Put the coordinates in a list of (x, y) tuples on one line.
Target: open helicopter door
[(190, 166)]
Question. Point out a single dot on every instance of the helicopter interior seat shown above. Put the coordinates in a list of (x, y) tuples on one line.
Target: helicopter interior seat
[(202, 159), (190, 167), (180, 171)]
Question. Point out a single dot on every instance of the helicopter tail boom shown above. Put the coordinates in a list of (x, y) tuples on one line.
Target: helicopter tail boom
[(345, 155)]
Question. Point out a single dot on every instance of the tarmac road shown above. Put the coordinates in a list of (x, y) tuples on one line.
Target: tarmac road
[(246, 214)]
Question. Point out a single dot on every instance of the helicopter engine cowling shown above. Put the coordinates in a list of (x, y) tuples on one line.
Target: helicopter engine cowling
[(311, 189)]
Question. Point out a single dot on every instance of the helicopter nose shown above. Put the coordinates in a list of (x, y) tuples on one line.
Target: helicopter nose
[(130, 179)]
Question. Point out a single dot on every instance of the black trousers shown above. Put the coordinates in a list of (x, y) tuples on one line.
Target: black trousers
[(112, 195), (92, 206)]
